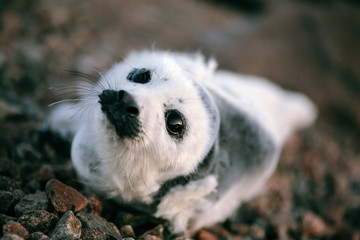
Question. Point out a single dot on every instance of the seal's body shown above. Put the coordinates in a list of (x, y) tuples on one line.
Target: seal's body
[(167, 133)]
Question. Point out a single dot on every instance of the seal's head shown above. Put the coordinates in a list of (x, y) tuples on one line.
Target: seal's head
[(151, 121)]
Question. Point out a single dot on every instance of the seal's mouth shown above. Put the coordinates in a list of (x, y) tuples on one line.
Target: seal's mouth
[(122, 112)]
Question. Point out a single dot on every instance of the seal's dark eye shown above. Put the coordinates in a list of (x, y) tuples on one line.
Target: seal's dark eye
[(175, 124), (141, 75)]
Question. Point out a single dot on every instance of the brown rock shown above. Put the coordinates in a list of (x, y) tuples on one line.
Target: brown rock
[(206, 235), (92, 234), (94, 204), (313, 225), (127, 231), (149, 237), (12, 227), (156, 232), (45, 173), (65, 198)]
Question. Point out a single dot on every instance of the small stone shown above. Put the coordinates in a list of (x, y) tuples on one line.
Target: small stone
[(9, 169), (38, 221), (11, 237), (258, 232), (12, 227), (158, 232), (38, 236), (65, 198), (37, 201), (68, 227), (206, 235), (9, 184), (4, 219), (127, 231), (9, 199), (45, 173), (92, 234), (98, 223), (313, 225), (95, 204), (149, 237)]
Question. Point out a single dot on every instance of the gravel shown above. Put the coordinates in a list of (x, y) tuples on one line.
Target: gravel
[(305, 46)]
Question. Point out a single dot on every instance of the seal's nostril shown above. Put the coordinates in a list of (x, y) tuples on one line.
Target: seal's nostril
[(132, 111), (121, 94)]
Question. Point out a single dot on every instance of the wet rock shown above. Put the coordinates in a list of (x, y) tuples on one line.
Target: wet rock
[(65, 198), (68, 227), (156, 232), (9, 199), (94, 204), (92, 234), (38, 221), (38, 236), (98, 223), (9, 184), (12, 227), (37, 201), (312, 225), (127, 232), (11, 237)]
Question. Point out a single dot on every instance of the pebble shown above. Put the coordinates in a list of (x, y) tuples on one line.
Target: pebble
[(65, 198), (68, 227), (9, 169), (38, 236), (12, 227), (92, 234), (206, 235), (98, 223), (158, 232), (11, 237), (312, 225), (9, 184), (4, 219), (37, 201), (45, 173), (9, 199), (150, 237), (127, 231), (38, 221), (94, 204)]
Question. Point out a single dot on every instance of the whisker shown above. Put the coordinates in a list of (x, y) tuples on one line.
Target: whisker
[(65, 100)]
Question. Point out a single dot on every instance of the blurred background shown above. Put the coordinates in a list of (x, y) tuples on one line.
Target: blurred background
[(307, 46)]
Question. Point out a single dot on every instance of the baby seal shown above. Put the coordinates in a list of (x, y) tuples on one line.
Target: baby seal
[(167, 133)]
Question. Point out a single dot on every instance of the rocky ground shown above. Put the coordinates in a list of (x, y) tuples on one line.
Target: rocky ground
[(301, 45)]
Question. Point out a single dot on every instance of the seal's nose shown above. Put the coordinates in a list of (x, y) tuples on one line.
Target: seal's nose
[(118, 103), (122, 112)]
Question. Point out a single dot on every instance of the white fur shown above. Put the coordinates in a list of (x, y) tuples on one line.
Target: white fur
[(135, 169)]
